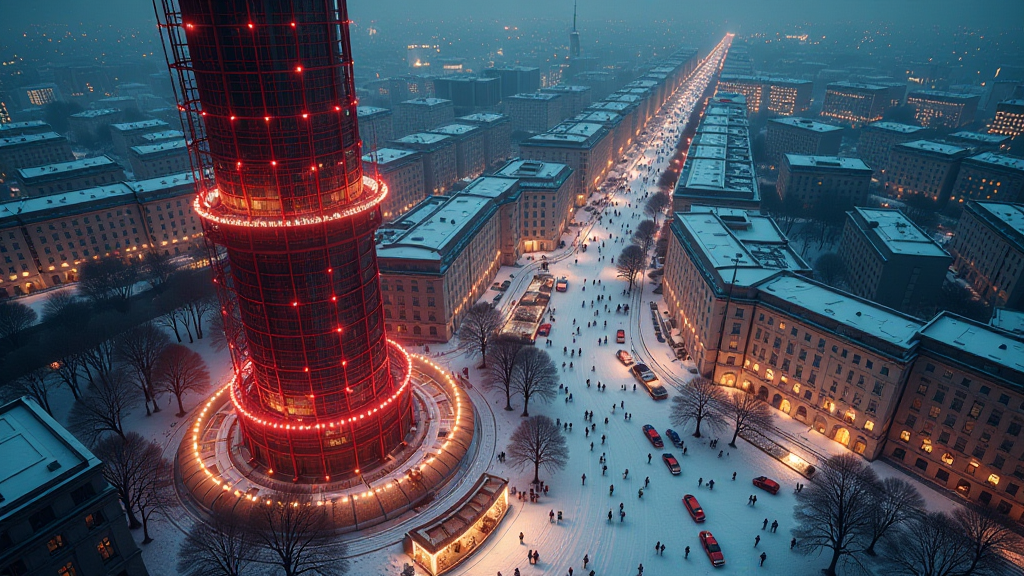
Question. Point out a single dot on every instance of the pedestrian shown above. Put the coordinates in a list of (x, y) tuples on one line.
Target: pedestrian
[(755, 499), (662, 549), (520, 538), (763, 558), (757, 540), (640, 570), (591, 446), (700, 481), (686, 553), (536, 556), (529, 556), (733, 476), (622, 516), (720, 453), (684, 450), (586, 560), (711, 485), (604, 469), (640, 494), (570, 570), (625, 474), (602, 435), (584, 480), (611, 490), (657, 546), (775, 526), (648, 457), (647, 481), (764, 524), (792, 543)]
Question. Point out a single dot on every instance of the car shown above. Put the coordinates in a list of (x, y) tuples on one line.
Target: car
[(624, 357), (653, 436), (562, 285), (544, 330), (672, 463), (496, 286), (673, 437), (643, 374), (497, 298), (505, 285), (711, 548), (767, 484), (693, 507), (655, 390), (620, 337)]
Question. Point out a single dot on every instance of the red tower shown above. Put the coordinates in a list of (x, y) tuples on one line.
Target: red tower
[(267, 96)]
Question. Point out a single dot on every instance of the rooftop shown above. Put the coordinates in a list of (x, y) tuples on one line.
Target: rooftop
[(12, 127), (65, 167), (168, 182), (934, 147), (847, 309), (980, 137), (427, 102), (1008, 320), (38, 454), (455, 129), (739, 78), (976, 339), (531, 169), (571, 133), (163, 135), (895, 127), (25, 139), (1009, 218), (422, 138), (143, 125), (942, 95), (827, 162), (1001, 160), (363, 111), (545, 96), (566, 88), (96, 113), (1017, 102), (856, 86), (489, 186), (896, 232), (383, 156), (432, 238), (160, 148), (807, 124), (483, 117)]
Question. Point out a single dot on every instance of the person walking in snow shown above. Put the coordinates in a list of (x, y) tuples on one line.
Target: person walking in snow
[(763, 558), (640, 570), (686, 553), (611, 490), (520, 538), (792, 543), (586, 560), (757, 540), (648, 457), (764, 524), (647, 481), (775, 526), (711, 485), (700, 482)]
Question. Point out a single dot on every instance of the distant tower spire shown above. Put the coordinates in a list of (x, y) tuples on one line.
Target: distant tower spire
[(574, 36), (573, 15)]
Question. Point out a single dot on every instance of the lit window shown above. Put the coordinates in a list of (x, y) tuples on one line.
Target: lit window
[(905, 435), (869, 425), (947, 458), (55, 544), (993, 479), (67, 570), (106, 549), (926, 445)]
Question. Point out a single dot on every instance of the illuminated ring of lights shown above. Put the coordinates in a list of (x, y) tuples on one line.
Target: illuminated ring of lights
[(269, 423), (202, 206), (198, 427)]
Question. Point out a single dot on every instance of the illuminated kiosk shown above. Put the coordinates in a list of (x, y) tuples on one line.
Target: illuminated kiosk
[(443, 543)]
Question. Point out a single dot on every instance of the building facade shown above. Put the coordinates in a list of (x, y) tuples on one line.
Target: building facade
[(988, 251), (470, 152), (574, 97), (129, 134), (584, 147), (154, 160), (923, 168), (534, 112), (498, 135), (68, 176), (28, 150), (890, 260), (990, 176), (375, 126), (801, 136), (938, 109), (854, 103), (86, 125), (776, 95), (1009, 119), (440, 161), (516, 79), (404, 173), (421, 114), (877, 139), (58, 515), (547, 193), (814, 180)]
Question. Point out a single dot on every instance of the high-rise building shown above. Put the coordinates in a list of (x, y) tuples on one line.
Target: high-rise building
[(535, 112), (988, 251), (318, 390), (923, 168), (422, 114), (978, 141), (440, 160), (890, 260), (85, 126), (375, 126), (586, 148), (153, 160), (32, 150), (574, 97), (818, 180), (551, 186), (989, 176), (782, 96), (856, 103), (801, 136), (938, 109), (470, 158), (1009, 120), (516, 79), (129, 134), (574, 36), (498, 138), (469, 94), (878, 138), (403, 173)]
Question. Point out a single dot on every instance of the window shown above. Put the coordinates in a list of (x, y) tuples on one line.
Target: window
[(929, 367), (926, 445), (67, 570), (884, 371), (82, 493), (905, 435), (55, 544), (921, 463), (877, 390), (869, 425), (961, 444), (942, 475), (106, 549), (933, 412), (950, 421), (93, 520), (899, 454), (41, 518), (993, 479), (976, 410), (944, 437), (1012, 489), (995, 417)]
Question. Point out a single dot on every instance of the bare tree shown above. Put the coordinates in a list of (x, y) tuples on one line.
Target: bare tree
[(103, 407), (538, 441), (157, 267), (535, 375), (140, 347), (220, 547), (65, 309), (898, 502), (644, 235), (500, 372), (929, 545), (136, 468), (631, 262), (179, 370), (749, 413), (297, 537), (657, 204), (478, 328), (175, 319), (109, 279), (836, 510), (701, 403), (37, 385), (830, 269), (988, 538), (15, 319)]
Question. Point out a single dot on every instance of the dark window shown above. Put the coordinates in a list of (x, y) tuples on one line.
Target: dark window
[(985, 498), (82, 493), (899, 454), (942, 475), (921, 463), (41, 518)]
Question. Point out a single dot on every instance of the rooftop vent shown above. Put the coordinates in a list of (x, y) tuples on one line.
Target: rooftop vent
[(55, 465), (1002, 346)]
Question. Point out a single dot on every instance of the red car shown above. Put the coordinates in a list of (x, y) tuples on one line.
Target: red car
[(767, 484), (672, 463), (712, 549), (544, 330), (620, 337), (653, 436), (693, 507)]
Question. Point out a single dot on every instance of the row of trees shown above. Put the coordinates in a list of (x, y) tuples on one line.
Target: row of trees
[(702, 403)]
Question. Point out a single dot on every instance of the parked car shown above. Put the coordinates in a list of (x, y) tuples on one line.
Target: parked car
[(711, 548), (655, 390), (505, 285), (653, 436), (497, 298), (767, 484), (620, 337), (673, 437), (562, 285), (693, 507), (624, 357), (672, 463), (544, 330)]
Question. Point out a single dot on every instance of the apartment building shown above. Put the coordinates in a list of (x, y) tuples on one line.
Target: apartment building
[(627, 108), (1009, 119), (990, 176), (534, 112), (938, 109), (87, 124), (421, 114), (403, 173), (470, 155), (375, 126), (440, 164), (801, 136), (923, 168), (507, 195), (855, 103), (154, 160), (619, 130), (959, 425), (777, 95), (27, 150), (890, 260), (978, 141), (548, 195), (58, 514), (68, 176), (877, 139), (988, 251), (9, 129), (126, 135), (574, 97), (43, 240), (719, 167), (497, 135), (817, 180), (516, 79), (584, 147)]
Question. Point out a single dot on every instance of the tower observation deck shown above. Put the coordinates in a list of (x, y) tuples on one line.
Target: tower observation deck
[(267, 99)]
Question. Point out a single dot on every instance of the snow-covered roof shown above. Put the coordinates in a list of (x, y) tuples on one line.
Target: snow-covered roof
[(845, 308), (999, 160), (612, 106), (895, 127), (27, 139), (843, 84), (163, 135), (384, 156), (489, 186), (901, 236), (984, 342), (64, 168), (168, 182), (980, 137), (96, 113), (455, 129), (160, 148), (427, 102), (12, 127), (545, 96), (758, 79), (599, 117), (422, 138), (141, 125), (1009, 218), (431, 238), (1008, 320), (934, 147), (572, 133), (827, 162), (365, 111), (806, 124), (38, 455), (566, 88), (483, 117), (940, 95), (533, 169)]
